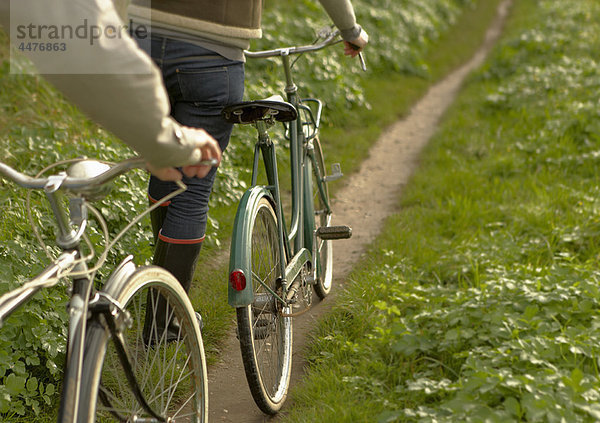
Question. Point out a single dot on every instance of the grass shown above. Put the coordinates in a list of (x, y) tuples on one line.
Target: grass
[(480, 301), (37, 127), (392, 94)]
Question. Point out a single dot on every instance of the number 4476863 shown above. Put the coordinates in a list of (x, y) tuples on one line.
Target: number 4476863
[(42, 47)]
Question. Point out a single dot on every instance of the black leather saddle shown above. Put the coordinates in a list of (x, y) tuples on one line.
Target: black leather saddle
[(252, 111)]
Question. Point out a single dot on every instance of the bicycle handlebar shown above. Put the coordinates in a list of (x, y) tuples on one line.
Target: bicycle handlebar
[(68, 182), (331, 38)]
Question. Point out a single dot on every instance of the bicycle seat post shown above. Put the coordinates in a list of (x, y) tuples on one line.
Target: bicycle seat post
[(262, 127)]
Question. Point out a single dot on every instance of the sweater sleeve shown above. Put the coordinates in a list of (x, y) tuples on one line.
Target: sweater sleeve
[(125, 95), (341, 13)]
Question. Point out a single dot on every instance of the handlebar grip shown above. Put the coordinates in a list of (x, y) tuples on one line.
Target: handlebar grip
[(361, 57)]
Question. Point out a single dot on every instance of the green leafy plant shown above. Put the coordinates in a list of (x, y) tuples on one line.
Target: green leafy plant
[(480, 302)]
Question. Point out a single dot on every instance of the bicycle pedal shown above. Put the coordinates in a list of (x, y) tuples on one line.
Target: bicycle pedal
[(336, 173), (334, 232)]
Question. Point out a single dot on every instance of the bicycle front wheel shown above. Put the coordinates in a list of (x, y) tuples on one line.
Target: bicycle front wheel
[(323, 248), (265, 334), (164, 345)]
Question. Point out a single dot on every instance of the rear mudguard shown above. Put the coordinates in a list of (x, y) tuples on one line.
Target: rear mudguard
[(239, 257), (240, 254)]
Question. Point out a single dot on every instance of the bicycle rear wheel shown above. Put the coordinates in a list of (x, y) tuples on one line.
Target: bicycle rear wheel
[(265, 334), (324, 248), (168, 363)]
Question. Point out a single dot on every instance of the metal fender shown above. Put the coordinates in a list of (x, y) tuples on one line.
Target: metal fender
[(122, 272), (309, 208), (239, 257)]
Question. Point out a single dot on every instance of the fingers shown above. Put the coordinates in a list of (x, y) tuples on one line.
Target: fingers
[(208, 147), (197, 171), (205, 147), (350, 50), (209, 150), (164, 173), (172, 174), (353, 47)]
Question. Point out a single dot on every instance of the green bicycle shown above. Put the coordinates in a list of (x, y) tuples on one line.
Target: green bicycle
[(273, 266)]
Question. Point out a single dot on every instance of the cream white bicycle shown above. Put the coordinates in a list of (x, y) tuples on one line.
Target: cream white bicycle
[(122, 363)]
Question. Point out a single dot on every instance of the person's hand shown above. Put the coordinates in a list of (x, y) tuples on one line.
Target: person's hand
[(164, 173), (353, 47), (210, 150), (207, 149)]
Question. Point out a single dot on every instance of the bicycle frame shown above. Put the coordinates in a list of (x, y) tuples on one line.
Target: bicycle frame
[(295, 241)]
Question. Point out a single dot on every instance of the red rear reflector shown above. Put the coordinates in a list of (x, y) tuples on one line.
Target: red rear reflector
[(237, 280)]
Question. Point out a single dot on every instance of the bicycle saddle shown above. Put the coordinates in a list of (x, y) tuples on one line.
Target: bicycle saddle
[(252, 111)]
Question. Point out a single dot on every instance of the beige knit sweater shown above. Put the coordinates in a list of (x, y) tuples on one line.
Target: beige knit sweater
[(340, 11)]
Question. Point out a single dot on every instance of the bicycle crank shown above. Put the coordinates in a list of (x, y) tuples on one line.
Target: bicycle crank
[(299, 296)]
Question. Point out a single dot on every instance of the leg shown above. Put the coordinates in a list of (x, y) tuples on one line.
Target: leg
[(198, 90)]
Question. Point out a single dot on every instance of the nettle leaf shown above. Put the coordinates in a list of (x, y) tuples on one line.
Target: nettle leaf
[(32, 384), (50, 389), (530, 312), (5, 399), (18, 367), (15, 385), (389, 416), (512, 405), (33, 404), (429, 386), (592, 409), (575, 379), (410, 344)]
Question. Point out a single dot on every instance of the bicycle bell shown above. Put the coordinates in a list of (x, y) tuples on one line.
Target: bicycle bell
[(86, 169)]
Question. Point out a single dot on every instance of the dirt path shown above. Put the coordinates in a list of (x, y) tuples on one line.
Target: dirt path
[(368, 198)]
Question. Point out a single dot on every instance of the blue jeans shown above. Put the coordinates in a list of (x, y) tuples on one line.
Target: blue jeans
[(199, 83)]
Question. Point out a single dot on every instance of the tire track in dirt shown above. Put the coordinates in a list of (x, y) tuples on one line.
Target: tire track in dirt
[(367, 199)]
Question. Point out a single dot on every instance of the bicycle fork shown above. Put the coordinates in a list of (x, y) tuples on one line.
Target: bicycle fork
[(117, 319)]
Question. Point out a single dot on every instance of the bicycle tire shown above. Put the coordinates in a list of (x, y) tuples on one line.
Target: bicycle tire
[(171, 373), (323, 261), (265, 334)]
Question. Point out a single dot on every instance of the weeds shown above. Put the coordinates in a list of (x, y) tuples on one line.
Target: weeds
[(481, 301)]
